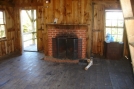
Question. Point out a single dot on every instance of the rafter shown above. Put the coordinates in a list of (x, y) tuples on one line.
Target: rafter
[(7, 2)]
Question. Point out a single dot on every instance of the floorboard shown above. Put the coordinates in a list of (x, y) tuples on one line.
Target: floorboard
[(29, 71)]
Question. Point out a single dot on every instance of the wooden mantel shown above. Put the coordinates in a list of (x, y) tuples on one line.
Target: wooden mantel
[(68, 24)]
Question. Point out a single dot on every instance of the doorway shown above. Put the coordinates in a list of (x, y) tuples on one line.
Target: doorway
[(29, 30)]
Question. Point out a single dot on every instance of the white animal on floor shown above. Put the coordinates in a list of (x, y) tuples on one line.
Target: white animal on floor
[(90, 63)]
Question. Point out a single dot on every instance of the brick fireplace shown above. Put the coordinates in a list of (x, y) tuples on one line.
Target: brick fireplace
[(78, 31)]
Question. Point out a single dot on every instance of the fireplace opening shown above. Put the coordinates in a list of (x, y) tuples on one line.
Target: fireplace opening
[(72, 48), (67, 47)]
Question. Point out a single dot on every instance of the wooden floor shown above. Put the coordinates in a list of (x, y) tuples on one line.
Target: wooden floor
[(29, 71)]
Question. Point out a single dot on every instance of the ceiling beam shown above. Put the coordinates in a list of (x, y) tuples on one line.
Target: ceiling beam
[(7, 2), (106, 2)]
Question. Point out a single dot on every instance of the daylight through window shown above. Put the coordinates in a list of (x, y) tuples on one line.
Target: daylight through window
[(114, 25), (2, 25)]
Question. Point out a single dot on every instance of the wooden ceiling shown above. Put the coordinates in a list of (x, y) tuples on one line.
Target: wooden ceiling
[(12, 2), (7, 2)]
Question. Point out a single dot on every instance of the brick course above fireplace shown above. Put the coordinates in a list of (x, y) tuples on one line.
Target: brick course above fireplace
[(55, 30)]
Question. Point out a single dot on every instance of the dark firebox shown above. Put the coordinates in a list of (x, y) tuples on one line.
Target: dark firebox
[(67, 47)]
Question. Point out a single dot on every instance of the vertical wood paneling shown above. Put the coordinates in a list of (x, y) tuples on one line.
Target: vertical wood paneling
[(47, 19), (0, 50), (50, 12), (87, 11), (88, 17), (57, 9), (3, 47), (8, 45), (40, 26), (61, 14), (98, 25), (75, 13), (68, 12), (17, 31), (98, 29), (40, 39), (82, 11)]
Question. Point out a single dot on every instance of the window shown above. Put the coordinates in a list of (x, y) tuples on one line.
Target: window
[(114, 24), (2, 24)]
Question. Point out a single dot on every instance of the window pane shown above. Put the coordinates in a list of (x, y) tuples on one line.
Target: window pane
[(108, 23), (120, 23), (120, 31), (34, 14), (114, 15), (108, 30), (114, 22), (120, 37), (114, 31), (108, 15), (115, 37), (2, 31), (1, 15), (35, 35), (1, 21), (120, 15)]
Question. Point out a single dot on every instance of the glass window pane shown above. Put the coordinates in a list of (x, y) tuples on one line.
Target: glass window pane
[(35, 25), (114, 15), (114, 31), (108, 15), (1, 15), (108, 30), (35, 35), (120, 31), (2, 31), (108, 23), (34, 14), (1, 21), (115, 37), (120, 37), (2, 27), (120, 15), (114, 22), (120, 23)]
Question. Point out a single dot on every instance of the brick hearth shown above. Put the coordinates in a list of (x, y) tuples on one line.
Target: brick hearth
[(55, 30)]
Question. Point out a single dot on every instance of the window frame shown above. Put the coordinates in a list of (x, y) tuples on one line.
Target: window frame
[(116, 27), (4, 23)]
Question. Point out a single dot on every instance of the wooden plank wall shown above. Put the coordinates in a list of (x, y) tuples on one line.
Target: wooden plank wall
[(98, 29), (10, 44), (40, 26), (67, 12), (99, 7)]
